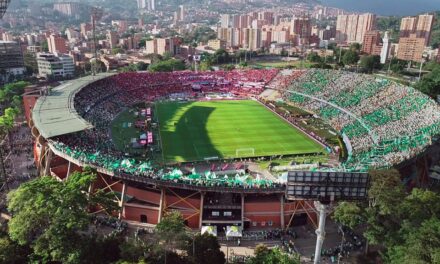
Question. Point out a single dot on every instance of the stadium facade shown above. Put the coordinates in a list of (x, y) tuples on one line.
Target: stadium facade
[(145, 194)]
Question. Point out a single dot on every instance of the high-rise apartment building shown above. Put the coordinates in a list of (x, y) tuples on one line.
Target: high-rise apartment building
[(112, 38), (57, 44), (352, 28), (160, 46), (372, 43), (86, 28), (301, 28), (68, 8), (146, 4), (415, 35), (182, 12), (11, 59), (424, 27), (411, 48), (225, 20), (407, 26), (420, 25), (265, 15)]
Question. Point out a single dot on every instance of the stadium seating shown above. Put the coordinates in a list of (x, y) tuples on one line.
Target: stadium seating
[(101, 101), (393, 122)]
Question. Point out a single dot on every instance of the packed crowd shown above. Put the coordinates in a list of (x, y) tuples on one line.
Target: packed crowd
[(389, 123), (101, 101)]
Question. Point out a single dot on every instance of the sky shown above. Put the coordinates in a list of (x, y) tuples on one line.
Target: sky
[(386, 7)]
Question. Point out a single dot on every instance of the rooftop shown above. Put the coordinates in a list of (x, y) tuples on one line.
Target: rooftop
[(55, 114)]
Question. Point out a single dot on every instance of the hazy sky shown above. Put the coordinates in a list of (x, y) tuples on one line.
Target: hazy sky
[(386, 7)]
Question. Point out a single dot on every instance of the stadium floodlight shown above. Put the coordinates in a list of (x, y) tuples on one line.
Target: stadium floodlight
[(96, 15), (3, 6), (324, 188)]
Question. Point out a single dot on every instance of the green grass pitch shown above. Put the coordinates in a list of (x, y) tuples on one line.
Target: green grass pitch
[(193, 131)]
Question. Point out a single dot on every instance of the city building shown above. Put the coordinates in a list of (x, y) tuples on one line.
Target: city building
[(411, 48), (72, 34), (56, 44), (386, 47), (372, 43), (55, 65), (122, 25), (112, 38), (179, 15), (225, 21), (6, 36), (68, 8), (301, 27), (147, 4), (267, 16), (11, 59), (161, 46), (420, 25), (352, 28), (86, 28), (216, 44), (328, 33), (407, 26)]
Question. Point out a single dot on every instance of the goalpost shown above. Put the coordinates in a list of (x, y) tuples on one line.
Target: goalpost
[(244, 152)]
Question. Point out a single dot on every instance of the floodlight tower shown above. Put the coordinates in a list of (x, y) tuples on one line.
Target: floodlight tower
[(304, 35), (3, 6), (96, 15), (324, 188)]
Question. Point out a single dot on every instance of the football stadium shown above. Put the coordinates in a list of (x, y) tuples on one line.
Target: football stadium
[(217, 146)]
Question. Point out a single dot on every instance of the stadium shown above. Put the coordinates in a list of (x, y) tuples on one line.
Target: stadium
[(217, 146)]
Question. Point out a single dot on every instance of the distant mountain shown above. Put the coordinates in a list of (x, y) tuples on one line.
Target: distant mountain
[(386, 7)]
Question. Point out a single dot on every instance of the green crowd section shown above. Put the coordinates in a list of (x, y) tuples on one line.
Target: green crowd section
[(382, 134)]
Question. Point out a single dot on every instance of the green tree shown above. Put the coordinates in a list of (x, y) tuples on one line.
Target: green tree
[(200, 34), (397, 66), (171, 233), (264, 255), (314, 57), (141, 66), (167, 66), (167, 55), (221, 56), (30, 62), (52, 217), (229, 67), (430, 83), (154, 57), (407, 226), (11, 252), (370, 63), (206, 249), (118, 50), (420, 244), (355, 47), (350, 57), (205, 66), (348, 214), (45, 46)]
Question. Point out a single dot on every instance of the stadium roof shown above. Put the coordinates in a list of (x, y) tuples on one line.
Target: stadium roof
[(55, 114)]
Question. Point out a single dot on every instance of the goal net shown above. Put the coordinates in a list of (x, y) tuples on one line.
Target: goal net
[(244, 152)]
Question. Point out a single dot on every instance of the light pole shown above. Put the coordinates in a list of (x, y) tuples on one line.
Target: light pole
[(3, 6), (420, 70), (342, 244), (320, 232)]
